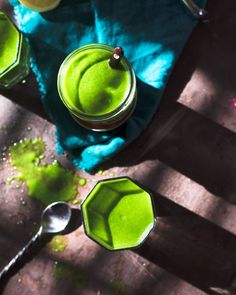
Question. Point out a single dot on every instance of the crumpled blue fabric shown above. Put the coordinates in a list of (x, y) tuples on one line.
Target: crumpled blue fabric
[(152, 33)]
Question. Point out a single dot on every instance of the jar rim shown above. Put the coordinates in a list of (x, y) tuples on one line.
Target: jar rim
[(125, 102)]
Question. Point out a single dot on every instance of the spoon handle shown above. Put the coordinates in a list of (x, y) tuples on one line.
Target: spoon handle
[(194, 9), (20, 254)]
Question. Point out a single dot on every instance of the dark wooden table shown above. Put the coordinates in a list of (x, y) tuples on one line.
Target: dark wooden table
[(186, 156)]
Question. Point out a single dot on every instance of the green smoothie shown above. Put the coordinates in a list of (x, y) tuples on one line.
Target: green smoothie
[(14, 54), (90, 85), (9, 43), (118, 214), (47, 183)]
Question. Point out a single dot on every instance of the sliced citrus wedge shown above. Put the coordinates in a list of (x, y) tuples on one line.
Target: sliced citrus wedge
[(40, 5)]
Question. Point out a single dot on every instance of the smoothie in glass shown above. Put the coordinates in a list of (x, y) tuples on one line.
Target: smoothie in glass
[(118, 214), (14, 54), (99, 96)]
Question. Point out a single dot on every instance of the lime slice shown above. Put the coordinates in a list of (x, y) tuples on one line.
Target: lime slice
[(40, 5)]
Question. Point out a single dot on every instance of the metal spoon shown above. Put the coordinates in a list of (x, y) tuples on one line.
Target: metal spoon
[(194, 9), (54, 219)]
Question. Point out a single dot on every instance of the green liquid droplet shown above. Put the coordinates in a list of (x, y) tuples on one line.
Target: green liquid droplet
[(23, 202), (4, 149), (112, 174), (12, 178), (76, 201), (70, 273), (18, 186), (46, 183), (58, 244), (82, 181)]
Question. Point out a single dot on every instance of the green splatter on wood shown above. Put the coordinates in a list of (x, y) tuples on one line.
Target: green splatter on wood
[(46, 183), (58, 244), (12, 178), (70, 273), (82, 181)]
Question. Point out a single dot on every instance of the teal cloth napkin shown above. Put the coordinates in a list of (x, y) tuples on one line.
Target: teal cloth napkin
[(152, 33)]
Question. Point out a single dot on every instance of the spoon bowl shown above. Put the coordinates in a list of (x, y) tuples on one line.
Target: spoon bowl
[(54, 219)]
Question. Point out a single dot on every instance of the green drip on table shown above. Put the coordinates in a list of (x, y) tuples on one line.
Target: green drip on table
[(82, 181), (58, 243), (46, 183), (70, 273), (76, 202)]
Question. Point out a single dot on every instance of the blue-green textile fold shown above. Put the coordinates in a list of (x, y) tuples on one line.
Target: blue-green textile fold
[(152, 33)]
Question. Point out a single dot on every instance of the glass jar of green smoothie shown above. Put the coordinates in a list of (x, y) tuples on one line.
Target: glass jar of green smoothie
[(118, 214), (99, 96), (14, 54)]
